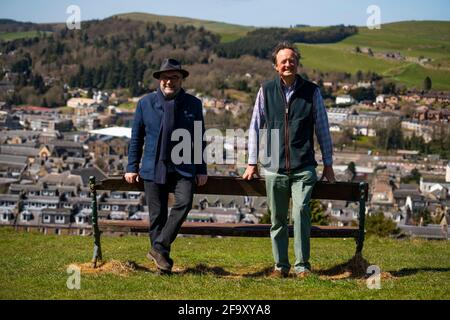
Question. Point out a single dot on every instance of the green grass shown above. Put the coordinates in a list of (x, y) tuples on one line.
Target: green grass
[(412, 39), (127, 106), (9, 36), (331, 57), (34, 267)]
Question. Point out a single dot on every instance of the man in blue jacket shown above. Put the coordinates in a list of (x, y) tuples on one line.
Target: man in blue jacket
[(150, 157)]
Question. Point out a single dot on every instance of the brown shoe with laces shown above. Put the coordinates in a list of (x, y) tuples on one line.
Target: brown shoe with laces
[(160, 260), (279, 274)]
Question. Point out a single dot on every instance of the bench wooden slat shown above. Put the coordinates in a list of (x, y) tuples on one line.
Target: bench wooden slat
[(226, 229), (217, 185)]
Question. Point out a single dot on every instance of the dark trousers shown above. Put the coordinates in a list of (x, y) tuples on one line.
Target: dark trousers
[(164, 227)]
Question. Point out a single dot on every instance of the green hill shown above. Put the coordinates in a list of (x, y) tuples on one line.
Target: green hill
[(228, 32), (34, 266), (412, 39)]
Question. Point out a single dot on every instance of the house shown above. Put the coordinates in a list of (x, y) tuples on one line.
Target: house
[(364, 131), (99, 149), (434, 185), (85, 174), (80, 102), (339, 115), (62, 179), (119, 146), (345, 100), (409, 195), (60, 148), (48, 123), (219, 215), (341, 213), (56, 216), (382, 194), (9, 122), (12, 166), (9, 208), (421, 113)]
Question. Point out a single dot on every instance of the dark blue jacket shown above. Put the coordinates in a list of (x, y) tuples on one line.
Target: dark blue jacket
[(146, 131)]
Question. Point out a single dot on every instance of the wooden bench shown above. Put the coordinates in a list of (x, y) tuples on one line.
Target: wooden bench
[(352, 192)]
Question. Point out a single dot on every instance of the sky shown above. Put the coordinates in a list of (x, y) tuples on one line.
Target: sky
[(260, 13)]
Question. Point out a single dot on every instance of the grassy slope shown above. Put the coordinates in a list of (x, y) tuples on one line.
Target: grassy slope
[(228, 32), (9, 36), (413, 39), (34, 267)]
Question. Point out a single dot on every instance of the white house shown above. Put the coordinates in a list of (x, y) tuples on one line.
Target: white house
[(345, 99), (80, 102)]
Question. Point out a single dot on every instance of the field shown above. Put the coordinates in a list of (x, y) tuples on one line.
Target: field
[(9, 36), (428, 39), (34, 266)]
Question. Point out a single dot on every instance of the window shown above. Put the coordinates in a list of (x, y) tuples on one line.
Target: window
[(115, 208), (47, 218), (59, 219), (81, 220), (106, 207)]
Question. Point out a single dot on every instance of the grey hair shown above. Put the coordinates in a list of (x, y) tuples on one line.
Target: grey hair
[(285, 45)]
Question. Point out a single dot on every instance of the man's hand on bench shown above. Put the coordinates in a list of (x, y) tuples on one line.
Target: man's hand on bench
[(131, 177), (252, 169), (328, 173)]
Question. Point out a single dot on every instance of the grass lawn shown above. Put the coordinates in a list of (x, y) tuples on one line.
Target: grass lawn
[(34, 266)]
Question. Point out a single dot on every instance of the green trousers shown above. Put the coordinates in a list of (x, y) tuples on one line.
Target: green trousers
[(280, 187)]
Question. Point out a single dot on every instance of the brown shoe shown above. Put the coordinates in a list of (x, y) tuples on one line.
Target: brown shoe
[(303, 274), (160, 260), (279, 274)]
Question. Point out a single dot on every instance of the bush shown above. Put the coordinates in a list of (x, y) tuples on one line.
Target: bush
[(378, 225)]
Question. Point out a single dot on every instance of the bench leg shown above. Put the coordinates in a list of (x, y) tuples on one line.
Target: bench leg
[(362, 218), (97, 256)]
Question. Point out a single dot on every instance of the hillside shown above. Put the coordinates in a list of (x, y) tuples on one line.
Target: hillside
[(228, 32), (34, 266), (412, 39), (124, 50)]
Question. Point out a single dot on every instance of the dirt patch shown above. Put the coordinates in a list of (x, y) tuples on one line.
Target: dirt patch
[(355, 268), (114, 266)]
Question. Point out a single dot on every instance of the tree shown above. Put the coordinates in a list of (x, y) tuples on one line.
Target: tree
[(378, 225), (317, 213), (427, 84), (266, 218), (391, 136), (352, 169), (359, 75)]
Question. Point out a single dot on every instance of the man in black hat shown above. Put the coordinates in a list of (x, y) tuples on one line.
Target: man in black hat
[(157, 116)]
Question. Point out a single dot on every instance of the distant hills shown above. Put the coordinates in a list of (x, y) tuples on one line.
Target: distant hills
[(405, 52)]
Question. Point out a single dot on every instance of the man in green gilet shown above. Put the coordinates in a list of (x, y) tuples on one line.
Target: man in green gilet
[(293, 108)]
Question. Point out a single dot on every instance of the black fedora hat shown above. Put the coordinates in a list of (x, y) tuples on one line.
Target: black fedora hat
[(170, 65)]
